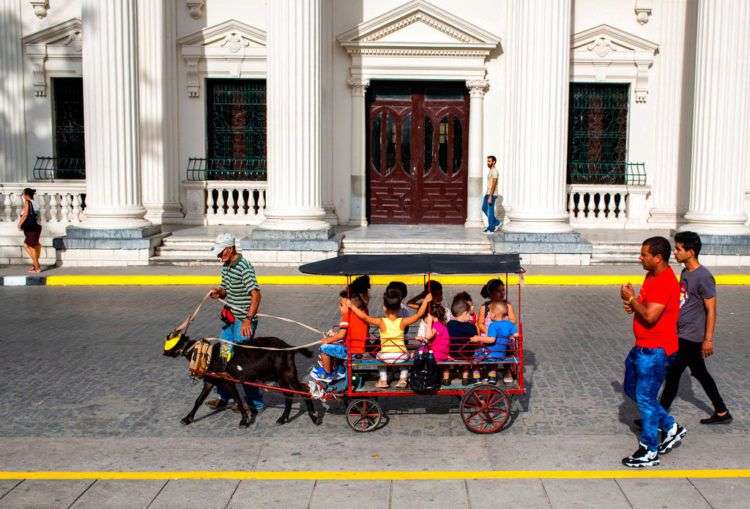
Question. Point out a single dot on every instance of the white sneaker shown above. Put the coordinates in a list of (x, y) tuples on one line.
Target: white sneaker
[(673, 437), (642, 458)]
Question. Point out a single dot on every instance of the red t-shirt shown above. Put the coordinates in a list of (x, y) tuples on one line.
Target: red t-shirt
[(662, 288), (357, 331)]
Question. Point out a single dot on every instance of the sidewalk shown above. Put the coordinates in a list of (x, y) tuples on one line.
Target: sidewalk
[(368, 472)]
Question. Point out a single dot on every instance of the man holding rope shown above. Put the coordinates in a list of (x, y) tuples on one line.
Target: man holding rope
[(239, 289)]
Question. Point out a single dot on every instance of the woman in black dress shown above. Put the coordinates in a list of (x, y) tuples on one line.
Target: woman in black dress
[(31, 228)]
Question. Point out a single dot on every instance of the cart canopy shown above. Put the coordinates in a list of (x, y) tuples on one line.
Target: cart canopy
[(350, 265)]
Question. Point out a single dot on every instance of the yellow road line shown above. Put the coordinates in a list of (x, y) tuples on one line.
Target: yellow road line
[(303, 279), (377, 475)]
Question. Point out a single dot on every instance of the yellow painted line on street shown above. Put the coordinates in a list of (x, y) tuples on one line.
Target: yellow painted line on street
[(305, 279), (375, 475)]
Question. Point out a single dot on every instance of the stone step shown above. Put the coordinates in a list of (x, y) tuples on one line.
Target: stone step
[(188, 261)]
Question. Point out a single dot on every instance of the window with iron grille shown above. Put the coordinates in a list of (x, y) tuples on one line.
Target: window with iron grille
[(236, 120), (597, 134), (69, 159)]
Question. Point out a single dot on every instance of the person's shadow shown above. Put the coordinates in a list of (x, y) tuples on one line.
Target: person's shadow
[(627, 412)]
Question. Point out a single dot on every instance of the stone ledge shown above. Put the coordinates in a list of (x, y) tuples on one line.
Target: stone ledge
[(260, 234), (271, 240), (733, 245), (67, 243), (76, 232), (541, 243)]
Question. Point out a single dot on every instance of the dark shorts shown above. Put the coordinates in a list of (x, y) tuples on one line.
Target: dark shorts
[(31, 237)]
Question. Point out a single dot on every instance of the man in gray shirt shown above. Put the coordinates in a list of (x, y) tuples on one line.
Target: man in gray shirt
[(695, 327)]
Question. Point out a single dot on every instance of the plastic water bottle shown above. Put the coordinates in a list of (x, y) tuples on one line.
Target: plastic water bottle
[(430, 356)]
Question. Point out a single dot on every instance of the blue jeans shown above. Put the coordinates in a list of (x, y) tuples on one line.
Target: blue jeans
[(233, 333), (489, 211), (645, 369)]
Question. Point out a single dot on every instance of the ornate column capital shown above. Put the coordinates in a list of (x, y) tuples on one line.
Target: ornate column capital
[(477, 88), (359, 86)]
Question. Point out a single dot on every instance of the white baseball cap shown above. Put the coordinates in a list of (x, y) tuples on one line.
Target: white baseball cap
[(223, 241)]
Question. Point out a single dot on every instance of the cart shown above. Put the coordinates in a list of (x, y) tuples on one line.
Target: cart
[(484, 407)]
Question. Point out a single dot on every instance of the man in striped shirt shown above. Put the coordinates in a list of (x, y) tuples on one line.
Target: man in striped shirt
[(239, 289)]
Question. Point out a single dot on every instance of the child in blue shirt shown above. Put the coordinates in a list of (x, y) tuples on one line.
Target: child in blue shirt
[(500, 332)]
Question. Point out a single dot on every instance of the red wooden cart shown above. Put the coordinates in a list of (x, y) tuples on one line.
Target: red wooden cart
[(484, 407)]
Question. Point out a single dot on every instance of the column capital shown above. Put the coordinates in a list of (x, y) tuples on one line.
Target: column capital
[(358, 85), (477, 88)]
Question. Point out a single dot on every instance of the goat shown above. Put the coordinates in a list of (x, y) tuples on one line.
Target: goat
[(249, 364)]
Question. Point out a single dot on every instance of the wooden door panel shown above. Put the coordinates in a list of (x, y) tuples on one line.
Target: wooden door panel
[(417, 158)]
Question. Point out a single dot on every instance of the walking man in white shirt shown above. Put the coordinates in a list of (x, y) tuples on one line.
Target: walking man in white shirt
[(488, 205)]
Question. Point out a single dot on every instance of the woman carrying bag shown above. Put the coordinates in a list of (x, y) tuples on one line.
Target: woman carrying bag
[(31, 229)]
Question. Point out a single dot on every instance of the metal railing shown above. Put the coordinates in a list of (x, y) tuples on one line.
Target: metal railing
[(609, 173), (51, 168), (216, 168)]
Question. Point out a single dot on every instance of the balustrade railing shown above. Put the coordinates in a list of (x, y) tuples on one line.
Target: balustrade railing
[(57, 205), (608, 206), (225, 202)]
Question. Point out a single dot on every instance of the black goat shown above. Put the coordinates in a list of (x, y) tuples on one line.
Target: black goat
[(249, 364)]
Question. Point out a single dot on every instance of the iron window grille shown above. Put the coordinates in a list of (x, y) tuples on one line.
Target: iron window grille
[(236, 132), (51, 168), (597, 136)]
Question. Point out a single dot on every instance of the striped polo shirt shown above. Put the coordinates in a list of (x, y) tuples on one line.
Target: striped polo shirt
[(238, 279)]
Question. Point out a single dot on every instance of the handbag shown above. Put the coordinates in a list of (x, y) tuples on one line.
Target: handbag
[(424, 375)]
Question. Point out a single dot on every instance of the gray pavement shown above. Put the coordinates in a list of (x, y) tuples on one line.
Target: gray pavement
[(85, 387), (20, 270)]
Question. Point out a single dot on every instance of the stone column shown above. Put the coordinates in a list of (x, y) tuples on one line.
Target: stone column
[(669, 179), (722, 119), (477, 89), (157, 55), (359, 157), (541, 66), (110, 97), (294, 116), (13, 163)]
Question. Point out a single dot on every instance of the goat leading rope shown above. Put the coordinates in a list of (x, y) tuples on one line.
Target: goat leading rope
[(183, 327)]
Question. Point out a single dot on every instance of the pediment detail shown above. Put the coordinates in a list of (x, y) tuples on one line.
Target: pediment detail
[(66, 35), (605, 41), (231, 35), (418, 25)]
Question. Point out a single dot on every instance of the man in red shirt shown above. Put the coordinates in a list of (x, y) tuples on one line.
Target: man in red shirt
[(655, 313)]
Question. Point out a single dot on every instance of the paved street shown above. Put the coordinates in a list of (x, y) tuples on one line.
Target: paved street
[(85, 387)]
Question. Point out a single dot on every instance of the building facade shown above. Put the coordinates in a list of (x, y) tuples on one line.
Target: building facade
[(292, 115)]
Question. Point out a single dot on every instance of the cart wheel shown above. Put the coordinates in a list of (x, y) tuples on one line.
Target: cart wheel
[(485, 409), (364, 415)]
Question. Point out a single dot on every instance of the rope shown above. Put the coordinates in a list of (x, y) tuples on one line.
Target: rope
[(183, 327), (240, 345)]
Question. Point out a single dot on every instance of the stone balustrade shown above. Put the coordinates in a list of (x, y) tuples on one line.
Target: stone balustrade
[(58, 204), (608, 206), (225, 202)]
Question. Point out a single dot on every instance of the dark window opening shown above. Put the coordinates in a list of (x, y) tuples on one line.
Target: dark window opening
[(236, 121), (69, 161), (597, 134)]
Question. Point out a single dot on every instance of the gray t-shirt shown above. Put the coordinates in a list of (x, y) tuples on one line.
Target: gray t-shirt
[(694, 287)]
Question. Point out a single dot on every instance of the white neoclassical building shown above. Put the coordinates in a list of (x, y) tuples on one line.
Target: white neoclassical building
[(297, 120)]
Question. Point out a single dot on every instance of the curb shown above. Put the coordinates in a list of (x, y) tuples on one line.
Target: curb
[(372, 475), (302, 279)]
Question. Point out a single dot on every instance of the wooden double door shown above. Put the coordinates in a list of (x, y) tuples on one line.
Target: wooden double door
[(417, 153)]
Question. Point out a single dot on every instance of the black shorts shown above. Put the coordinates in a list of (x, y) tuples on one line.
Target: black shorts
[(31, 237)]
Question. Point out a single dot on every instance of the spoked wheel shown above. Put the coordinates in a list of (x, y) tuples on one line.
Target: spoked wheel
[(364, 415), (485, 409)]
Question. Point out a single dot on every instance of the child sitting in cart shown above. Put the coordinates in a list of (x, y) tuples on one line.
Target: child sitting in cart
[(436, 337), (464, 335), (352, 330), (500, 332), (391, 325)]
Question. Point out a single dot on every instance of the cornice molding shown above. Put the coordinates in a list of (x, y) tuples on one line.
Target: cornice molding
[(467, 39)]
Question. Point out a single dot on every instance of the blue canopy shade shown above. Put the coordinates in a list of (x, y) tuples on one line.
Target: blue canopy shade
[(349, 265)]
